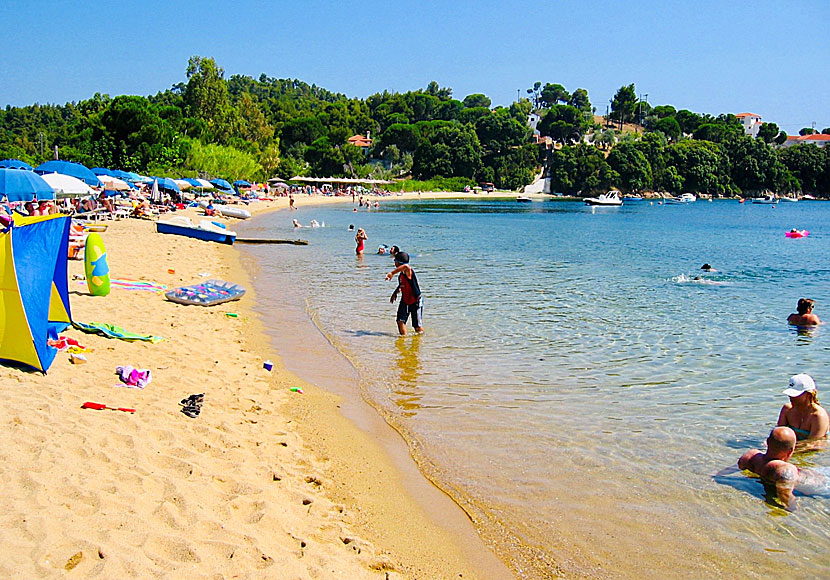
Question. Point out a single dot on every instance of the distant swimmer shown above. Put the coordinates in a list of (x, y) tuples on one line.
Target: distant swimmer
[(779, 476), (804, 316), (383, 249), (707, 268), (803, 414), (297, 224), (316, 224)]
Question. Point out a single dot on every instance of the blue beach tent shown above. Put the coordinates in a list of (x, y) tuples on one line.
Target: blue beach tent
[(34, 292)]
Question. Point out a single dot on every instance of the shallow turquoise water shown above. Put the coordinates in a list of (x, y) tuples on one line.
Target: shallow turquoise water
[(576, 388)]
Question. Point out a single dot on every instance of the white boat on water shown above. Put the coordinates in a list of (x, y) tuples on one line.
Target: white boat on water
[(523, 199), (684, 198), (766, 199), (610, 198), (788, 199)]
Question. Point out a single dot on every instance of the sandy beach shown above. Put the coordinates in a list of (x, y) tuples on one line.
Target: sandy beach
[(265, 483)]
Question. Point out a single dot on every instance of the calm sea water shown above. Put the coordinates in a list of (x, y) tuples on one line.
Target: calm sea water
[(576, 388)]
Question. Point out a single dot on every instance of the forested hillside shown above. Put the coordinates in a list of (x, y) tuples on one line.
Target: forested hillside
[(245, 128)]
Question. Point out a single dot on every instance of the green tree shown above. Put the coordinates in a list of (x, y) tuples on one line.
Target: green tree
[(754, 165), (451, 150), (702, 166), (807, 131), (624, 104), (810, 165), (768, 132), (206, 97), (579, 100), (553, 94), (477, 100), (668, 126), (579, 170), (535, 93), (253, 124), (563, 124), (632, 167), (664, 111), (689, 122)]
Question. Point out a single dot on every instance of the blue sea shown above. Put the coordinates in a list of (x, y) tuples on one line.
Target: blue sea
[(581, 380)]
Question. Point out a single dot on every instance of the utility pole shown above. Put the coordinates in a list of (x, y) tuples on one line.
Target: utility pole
[(518, 95)]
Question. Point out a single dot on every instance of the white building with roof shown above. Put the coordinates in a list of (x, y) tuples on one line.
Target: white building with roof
[(751, 122)]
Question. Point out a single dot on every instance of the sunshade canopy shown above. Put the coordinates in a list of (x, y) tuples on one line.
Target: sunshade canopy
[(21, 185), (222, 184), (67, 184), (15, 164), (69, 168)]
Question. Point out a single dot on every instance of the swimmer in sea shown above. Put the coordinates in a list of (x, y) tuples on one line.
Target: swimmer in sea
[(780, 476), (707, 268), (359, 238), (803, 414), (297, 224), (804, 316)]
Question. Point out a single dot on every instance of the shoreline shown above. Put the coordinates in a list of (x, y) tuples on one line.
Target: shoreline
[(250, 488)]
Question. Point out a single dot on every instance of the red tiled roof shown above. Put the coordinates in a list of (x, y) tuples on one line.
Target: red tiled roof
[(360, 141), (741, 115), (813, 137)]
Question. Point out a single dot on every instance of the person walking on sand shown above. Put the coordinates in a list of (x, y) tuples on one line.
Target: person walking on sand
[(412, 303), (291, 201), (359, 238), (804, 316)]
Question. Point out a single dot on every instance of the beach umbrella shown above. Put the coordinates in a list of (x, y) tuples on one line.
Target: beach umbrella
[(167, 184), (67, 184), (69, 168), (242, 183), (113, 183), (155, 193), (15, 164), (99, 171), (183, 183), (17, 185), (221, 184), (194, 182)]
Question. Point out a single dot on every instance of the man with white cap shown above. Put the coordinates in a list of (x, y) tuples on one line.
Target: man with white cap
[(803, 414)]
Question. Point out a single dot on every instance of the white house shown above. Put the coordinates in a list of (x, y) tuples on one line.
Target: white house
[(818, 139), (751, 122), (533, 120)]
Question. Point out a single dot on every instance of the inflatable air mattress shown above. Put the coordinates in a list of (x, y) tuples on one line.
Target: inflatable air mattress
[(208, 293)]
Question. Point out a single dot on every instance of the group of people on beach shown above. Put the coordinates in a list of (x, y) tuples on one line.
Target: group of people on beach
[(800, 419), (412, 302)]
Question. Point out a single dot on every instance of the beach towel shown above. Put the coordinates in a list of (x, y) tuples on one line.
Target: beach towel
[(136, 285), (133, 377), (112, 331), (66, 344)]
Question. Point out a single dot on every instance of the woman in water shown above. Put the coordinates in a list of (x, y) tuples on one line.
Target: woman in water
[(804, 316), (803, 414), (359, 238)]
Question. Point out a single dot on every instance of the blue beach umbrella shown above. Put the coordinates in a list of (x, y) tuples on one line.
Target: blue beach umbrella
[(15, 164), (168, 184), (222, 184), (17, 185), (193, 182), (103, 171), (69, 168), (242, 183)]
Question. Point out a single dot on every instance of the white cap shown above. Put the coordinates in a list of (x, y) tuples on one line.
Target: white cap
[(800, 383)]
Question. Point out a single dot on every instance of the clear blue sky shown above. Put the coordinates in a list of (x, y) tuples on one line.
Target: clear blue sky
[(711, 56)]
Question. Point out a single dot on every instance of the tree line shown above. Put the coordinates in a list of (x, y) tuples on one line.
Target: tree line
[(245, 128)]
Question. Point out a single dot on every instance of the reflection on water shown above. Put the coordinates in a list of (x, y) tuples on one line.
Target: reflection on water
[(577, 386), (406, 392)]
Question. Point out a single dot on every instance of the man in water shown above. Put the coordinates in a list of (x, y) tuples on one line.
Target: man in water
[(775, 470), (804, 316)]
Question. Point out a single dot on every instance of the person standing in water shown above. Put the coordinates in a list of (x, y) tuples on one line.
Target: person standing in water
[(803, 414), (804, 316), (359, 238), (412, 302)]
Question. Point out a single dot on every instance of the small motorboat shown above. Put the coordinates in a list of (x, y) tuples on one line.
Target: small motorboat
[(612, 198), (204, 230), (767, 199), (523, 199), (633, 198), (684, 198), (788, 199)]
